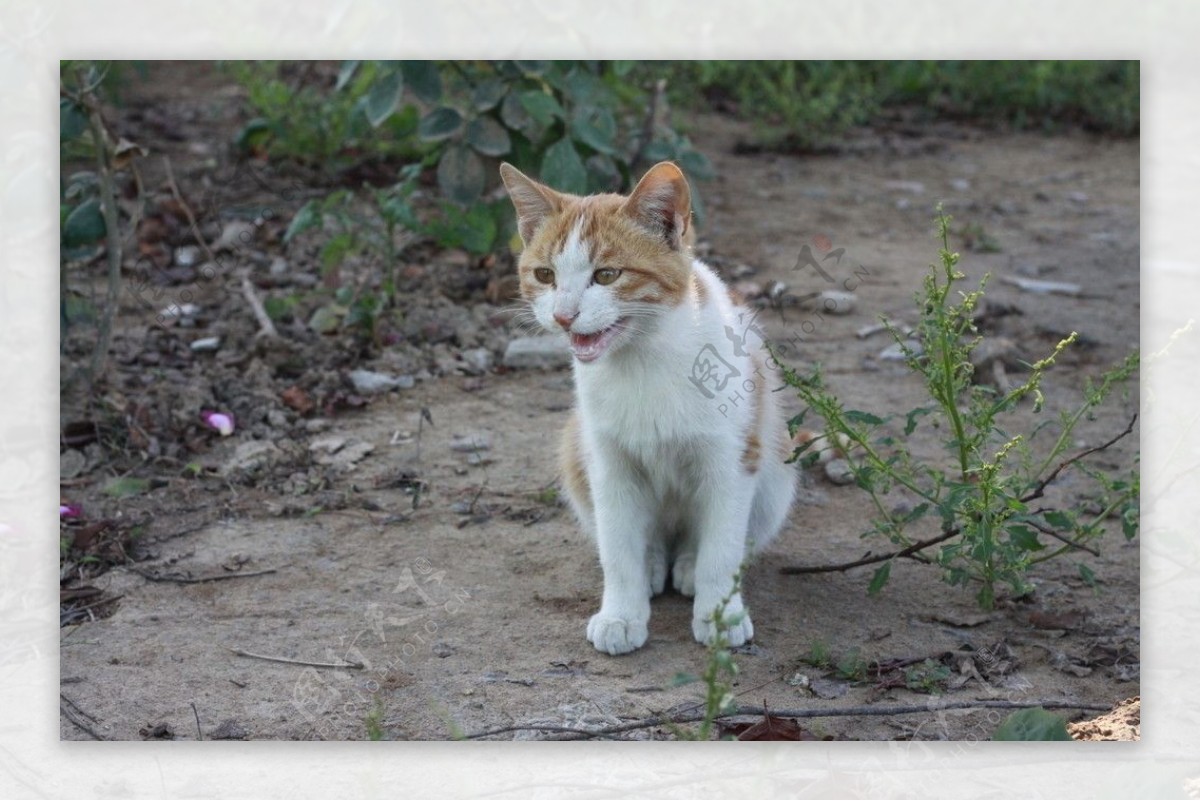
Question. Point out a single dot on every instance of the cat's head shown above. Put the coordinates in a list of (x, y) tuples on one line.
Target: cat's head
[(603, 267)]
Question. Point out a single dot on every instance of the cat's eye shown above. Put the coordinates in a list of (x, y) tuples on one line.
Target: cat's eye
[(605, 275), (544, 275)]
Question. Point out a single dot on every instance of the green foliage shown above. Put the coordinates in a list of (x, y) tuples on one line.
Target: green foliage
[(811, 104), (719, 670), (926, 677), (852, 666), (298, 120), (578, 125), (991, 529), (1032, 724)]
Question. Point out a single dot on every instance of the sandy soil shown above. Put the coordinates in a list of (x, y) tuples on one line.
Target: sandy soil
[(458, 593)]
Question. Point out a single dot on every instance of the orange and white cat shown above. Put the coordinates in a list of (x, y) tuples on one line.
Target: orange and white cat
[(667, 478)]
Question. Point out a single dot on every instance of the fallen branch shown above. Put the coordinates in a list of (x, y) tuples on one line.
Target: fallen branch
[(266, 328), (569, 733), (1040, 489), (200, 580), (920, 545), (1065, 540), (286, 661), (187, 211)]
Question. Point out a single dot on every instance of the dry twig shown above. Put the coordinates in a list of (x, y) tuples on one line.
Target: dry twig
[(286, 661), (569, 733)]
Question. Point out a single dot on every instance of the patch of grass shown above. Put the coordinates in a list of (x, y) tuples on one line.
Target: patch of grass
[(811, 104), (818, 655), (929, 676), (852, 666), (374, 722)]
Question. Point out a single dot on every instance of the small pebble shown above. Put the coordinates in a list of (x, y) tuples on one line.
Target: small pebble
[(470, 443), (833, 301), (369, 382), (206, 344), (838, 471)]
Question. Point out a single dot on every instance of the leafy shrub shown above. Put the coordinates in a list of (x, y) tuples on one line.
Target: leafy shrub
[(992, 531)]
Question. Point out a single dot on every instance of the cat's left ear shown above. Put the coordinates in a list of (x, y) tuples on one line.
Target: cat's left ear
[(533, 201), (662, 203)]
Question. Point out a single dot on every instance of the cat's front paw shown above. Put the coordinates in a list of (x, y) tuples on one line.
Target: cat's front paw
[(737, 633), (616, 635)]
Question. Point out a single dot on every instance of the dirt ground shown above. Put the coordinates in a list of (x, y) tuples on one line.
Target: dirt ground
[(426, 588)]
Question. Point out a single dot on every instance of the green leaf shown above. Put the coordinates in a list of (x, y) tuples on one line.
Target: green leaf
[(461, 175), (911, 419), (513, 113), (1129, 522), (488, 137), (335, 251), (541, 106), (882, 574), (383, 98), (1024, 538), (253, 134), (1087, 575), (72, 122), (1032, 724), (595, 128), (488, 94), (424, 79), (439, 124), (563, 169), (533, 67), (127, 487), (866, 418), (345, 74), (325, 320), (1059, 520), (309, 216), (84, 225), (681, 679)]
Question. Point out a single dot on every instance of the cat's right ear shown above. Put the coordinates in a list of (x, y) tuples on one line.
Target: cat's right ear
[(533, 201)]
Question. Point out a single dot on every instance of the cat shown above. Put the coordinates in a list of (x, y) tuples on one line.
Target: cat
[(666, 474)]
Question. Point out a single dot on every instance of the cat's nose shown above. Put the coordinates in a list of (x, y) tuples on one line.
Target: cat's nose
[(565, 320)]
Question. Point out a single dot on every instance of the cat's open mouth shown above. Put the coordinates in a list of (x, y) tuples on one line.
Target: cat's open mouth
[(589, 347)]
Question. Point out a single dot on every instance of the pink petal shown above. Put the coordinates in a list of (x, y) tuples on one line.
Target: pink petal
[(71, 510), (221, 422)]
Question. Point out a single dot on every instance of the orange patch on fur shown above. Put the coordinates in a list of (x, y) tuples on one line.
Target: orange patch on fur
[(753, 449), (651, 272), (571, 463)]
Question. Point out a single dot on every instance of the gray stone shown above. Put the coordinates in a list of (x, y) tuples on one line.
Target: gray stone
[(206, 344), (480, 360), (833, 301), (471, 443), (251, 456), (369, 382), (71, 463), (545, 352), (838, 471)]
